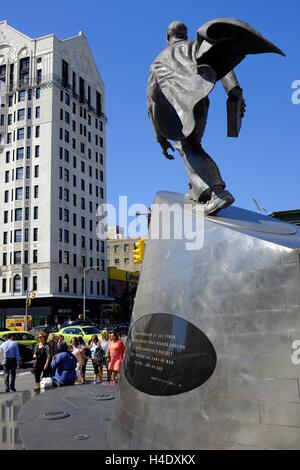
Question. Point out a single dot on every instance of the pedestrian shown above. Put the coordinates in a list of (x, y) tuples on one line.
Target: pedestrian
[(60, 339), (86, 356), (115, 351), (104, 345), (52, 344), (58, 327), (94, 348), (64, 366), (10, 350), (77, 351), (41, 358)]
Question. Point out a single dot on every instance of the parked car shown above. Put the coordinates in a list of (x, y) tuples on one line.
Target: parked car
[(85, 331), (2, 328), (26, 342)]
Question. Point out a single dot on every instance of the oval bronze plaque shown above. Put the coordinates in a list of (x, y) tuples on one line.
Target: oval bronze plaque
[(167, 355)]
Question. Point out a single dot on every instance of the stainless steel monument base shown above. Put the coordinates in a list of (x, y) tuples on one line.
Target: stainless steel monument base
[(242, 290)]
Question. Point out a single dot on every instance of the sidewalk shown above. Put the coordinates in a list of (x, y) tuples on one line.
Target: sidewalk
[(85, 427)]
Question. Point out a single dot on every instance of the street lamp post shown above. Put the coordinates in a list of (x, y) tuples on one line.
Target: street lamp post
[(84, 288)]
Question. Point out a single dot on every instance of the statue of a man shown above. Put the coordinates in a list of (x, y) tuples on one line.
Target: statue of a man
[(180, 80)]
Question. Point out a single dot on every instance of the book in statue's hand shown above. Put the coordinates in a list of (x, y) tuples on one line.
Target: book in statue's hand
[(234, 112)]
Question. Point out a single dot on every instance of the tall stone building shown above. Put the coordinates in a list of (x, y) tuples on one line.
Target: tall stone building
[(52, 176)]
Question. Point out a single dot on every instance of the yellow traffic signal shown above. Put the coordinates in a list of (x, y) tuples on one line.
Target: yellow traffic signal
[(32, 295), (29, 302), (139, 251)]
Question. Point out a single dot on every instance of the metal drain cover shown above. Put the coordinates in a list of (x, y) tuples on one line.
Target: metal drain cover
[(104, 397), (81, 437), (104, 419), (55, 414)]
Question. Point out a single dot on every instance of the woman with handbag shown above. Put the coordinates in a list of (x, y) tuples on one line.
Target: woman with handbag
[(94, 348), (41, 358)]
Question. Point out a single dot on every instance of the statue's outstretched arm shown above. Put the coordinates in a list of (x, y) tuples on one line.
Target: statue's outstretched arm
[(233, 90), (229, 82)]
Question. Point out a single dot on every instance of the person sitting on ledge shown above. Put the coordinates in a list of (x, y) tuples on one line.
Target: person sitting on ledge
[(64, 365)]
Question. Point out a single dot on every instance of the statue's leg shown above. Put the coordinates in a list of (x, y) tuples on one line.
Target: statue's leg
[(205, 182)]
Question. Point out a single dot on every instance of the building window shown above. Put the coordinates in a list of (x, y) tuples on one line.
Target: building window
[(38, 93), (21, 96), (29, 94), (102, 287), (66, 257), (18, 236), (29, 132), (37, 131), (66, 236), (4, 238), (74, 286), (20, 153), (21, 114), (19, 194), (28, 152), (20, 133), (126, 248), (10, 101), (35, 256), (4, 259), (19, 173), (66, 283), (8, 138), (37, 150), (27, 191), (7, 158), (18, 214), (17, 257), (36, 171), (35, 212), (34, 283), (36, 192), (59, 284), (3, 285), (35, 234), (17, 283), (39, 76), (26, 235), (29, 113), (25, 283), (26, 257), (117, 261)]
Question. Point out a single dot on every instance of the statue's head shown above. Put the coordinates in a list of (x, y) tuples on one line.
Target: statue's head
[(176, 30)]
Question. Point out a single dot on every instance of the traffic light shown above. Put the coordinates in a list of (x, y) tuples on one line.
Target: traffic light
[(32, 295), (29, 302), (139, 251)]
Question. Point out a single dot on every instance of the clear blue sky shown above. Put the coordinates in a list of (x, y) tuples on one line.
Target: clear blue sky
[(126, 35)]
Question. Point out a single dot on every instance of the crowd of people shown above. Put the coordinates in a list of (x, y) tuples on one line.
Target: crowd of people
[(59, 365)]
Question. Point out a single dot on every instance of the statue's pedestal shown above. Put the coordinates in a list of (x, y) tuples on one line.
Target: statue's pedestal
[(217, 371)]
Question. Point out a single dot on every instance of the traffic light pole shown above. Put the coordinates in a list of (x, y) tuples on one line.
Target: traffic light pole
[(26, 312)]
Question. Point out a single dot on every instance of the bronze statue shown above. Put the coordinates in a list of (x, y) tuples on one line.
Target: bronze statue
[(180, 80)]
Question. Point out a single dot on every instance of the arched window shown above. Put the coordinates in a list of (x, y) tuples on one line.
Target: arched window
[(17, 283), (102, 287), (66, 283)]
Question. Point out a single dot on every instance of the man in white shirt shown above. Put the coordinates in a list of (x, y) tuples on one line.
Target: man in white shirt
[(10, 351)]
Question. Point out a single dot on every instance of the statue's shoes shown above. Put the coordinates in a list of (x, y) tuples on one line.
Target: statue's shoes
[(217, 203)]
